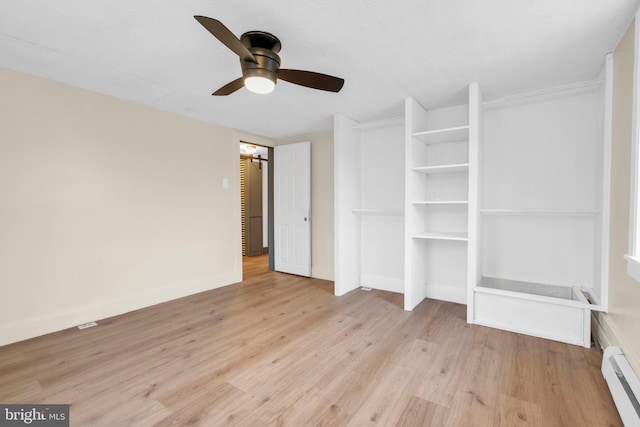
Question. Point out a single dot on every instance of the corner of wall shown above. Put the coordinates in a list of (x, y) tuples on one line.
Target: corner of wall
[(606, 334)]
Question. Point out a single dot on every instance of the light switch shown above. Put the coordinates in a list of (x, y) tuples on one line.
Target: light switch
[(225, 182)]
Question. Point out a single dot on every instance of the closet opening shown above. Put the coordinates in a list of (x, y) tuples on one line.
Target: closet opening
[(256, 206)]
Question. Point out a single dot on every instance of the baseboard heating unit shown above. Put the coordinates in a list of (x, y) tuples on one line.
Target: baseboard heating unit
[(623, 384)]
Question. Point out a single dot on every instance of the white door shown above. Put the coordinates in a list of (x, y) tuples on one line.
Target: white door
[(292, 208)]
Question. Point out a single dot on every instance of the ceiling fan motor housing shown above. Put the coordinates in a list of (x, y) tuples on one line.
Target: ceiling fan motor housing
[(268, 63), (264, 47)]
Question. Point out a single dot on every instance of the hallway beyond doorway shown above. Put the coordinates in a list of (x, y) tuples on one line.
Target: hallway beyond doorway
[(254, 266)]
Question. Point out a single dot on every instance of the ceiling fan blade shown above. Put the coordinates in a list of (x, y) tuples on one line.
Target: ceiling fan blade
[(229, 88), (311, 79), (227, 38)]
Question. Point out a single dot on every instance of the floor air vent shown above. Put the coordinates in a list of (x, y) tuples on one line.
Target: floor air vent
[(623, 384)]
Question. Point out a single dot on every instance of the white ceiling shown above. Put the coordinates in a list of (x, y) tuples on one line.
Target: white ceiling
[(153, 52)]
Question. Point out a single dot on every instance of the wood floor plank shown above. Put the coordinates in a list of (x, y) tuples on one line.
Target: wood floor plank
[(387, 403), (515, 412), (133, 412), (419, 412), (209, 406), (282, 350)]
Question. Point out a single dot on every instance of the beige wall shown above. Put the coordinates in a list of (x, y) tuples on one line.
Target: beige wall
[(621, 326), (107, 206), (322, 265)]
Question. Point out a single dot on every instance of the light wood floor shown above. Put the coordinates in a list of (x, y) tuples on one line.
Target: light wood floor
[(282, 350)]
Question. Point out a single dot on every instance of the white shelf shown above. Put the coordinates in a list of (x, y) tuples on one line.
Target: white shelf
[(440, 202), (541, 212), (456, 168), (440, 136), (442, 235), (378, 211)]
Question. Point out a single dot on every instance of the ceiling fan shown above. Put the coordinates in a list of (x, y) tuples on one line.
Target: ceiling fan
[(260, 63)]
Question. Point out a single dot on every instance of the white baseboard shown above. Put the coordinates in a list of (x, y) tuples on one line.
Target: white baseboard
[(28, 328), (383, 283), (447, 293), (341, 291)]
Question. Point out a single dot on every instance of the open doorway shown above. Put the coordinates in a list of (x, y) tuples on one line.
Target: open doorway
[(256, 196)]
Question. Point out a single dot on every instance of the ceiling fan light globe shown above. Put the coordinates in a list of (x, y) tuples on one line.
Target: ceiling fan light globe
[(257, 84)]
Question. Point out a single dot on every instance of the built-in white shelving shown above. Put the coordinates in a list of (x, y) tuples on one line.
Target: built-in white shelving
[(440, 202), (533, 260)]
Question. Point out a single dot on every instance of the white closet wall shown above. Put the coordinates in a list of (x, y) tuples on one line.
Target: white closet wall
[(369, 189), (543, 168), (381, 206)]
